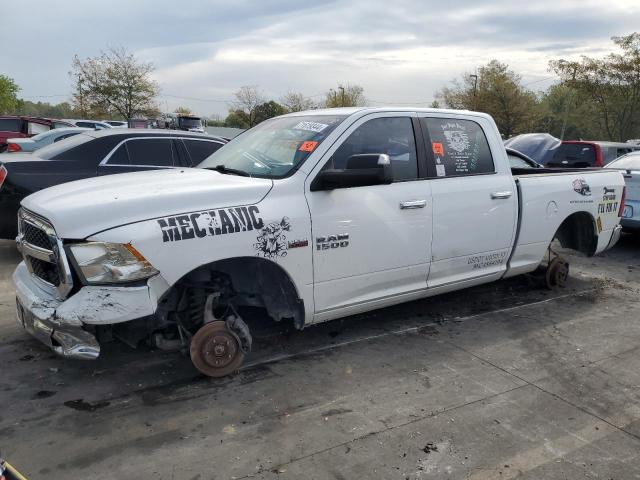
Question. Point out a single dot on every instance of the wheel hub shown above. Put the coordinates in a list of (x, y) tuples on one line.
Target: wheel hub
[(557, 273), (220, 349), (215, 350)]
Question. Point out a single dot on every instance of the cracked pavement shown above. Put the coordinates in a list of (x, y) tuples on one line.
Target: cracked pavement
[(505, 380)]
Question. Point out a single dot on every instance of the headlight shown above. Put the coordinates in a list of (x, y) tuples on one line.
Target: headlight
[(101, 262)]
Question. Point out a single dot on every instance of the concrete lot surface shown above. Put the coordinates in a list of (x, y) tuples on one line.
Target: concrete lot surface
[(501, 381)]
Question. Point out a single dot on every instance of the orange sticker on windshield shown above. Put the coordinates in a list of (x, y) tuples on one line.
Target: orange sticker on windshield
[(438, 149), (308, 146)]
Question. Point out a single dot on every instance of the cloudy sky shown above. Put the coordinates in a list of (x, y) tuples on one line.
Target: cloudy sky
[(400, 51)]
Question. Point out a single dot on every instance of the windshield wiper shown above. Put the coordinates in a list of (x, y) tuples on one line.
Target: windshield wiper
[(228, 171)]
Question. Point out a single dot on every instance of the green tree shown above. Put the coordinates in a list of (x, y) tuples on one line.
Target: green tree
[(45, 109), (268, 110), (345, 96), (114, 82), (236, 119), (611, 83), (498, 91), (8, 94), (567, 114)]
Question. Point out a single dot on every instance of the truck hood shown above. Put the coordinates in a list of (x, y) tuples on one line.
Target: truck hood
[(84, 207)]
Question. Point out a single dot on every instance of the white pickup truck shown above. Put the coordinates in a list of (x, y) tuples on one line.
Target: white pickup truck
[(309, 216)]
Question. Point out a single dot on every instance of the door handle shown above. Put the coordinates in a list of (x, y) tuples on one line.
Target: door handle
[(411, 204), (501, 195)]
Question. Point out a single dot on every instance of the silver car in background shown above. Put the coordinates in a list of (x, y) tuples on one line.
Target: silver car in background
[(42, 139), (630, 166)]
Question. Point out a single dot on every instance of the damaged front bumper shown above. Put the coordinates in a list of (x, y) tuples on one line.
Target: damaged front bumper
[(59, 324), (66, 340)]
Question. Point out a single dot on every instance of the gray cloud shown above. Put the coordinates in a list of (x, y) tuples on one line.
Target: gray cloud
[(400, 51)]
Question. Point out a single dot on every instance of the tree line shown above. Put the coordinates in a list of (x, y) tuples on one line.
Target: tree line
[(596, 98)]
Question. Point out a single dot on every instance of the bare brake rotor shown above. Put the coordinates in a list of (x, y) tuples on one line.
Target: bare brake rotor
[(557, 273), (215, 350)]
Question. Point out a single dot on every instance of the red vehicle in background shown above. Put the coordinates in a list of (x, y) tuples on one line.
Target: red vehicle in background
[(12, 126)]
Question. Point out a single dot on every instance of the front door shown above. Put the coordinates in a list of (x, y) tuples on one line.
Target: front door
[(371, 243)]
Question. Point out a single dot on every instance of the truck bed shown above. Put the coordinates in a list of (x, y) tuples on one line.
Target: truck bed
[(538, 171)]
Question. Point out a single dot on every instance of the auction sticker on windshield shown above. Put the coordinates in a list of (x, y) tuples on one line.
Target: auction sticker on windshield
[(308, 146), (310, 126)]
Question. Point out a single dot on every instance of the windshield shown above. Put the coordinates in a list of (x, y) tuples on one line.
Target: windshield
[(627, 162), (274, 147), (54, 149), (187, 122)]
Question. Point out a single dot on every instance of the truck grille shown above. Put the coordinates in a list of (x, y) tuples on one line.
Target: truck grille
[(44, 270), (35, 236), (43, 254)]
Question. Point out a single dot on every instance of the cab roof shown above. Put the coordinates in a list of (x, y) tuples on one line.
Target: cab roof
[(348, 111)]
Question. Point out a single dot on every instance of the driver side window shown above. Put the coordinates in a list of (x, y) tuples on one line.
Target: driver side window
[(390, 135)]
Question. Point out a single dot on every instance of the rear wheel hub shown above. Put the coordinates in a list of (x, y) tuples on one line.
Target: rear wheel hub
[(557, 273)]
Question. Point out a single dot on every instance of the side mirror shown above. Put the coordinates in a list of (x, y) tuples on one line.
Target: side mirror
[(361, 170)]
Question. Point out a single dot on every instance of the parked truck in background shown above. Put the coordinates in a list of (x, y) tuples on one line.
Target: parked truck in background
[(189, 123), (307, 217)]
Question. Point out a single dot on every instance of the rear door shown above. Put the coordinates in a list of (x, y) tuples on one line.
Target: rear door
[(474, 200), (142, 153), (371, 243)]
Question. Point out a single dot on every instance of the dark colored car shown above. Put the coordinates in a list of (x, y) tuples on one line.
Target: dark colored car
[(12, 126), (555, 153), (100, 152), (585, 154)]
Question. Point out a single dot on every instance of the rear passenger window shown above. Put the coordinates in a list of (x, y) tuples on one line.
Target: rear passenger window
[(151, 151), (393, 136), (200, 149), (120, 156), (459, 147)]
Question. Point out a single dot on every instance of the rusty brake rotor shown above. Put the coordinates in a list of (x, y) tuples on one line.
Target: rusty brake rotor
[(215, 350)]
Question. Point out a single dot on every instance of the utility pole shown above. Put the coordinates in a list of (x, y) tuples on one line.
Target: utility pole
[(475, 90), (80, 96), (342, 95), (567, 104)]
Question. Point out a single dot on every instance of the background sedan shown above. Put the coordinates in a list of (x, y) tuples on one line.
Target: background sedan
[(42, 139), (93, 153)]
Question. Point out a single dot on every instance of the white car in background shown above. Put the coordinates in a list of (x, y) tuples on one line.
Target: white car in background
[(117, 123), (93, 124), (42, 139), (630, 166)]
